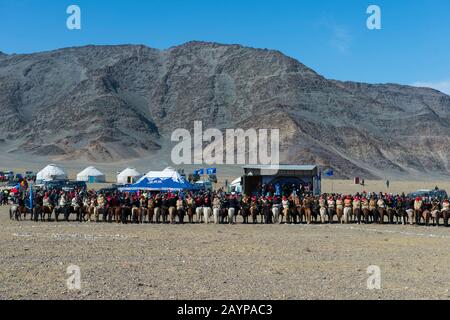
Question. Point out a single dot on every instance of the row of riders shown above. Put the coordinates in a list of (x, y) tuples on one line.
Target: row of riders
[(218, 207)]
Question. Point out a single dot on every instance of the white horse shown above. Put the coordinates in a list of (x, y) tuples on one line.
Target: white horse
[(410, 213), (199, 214), (276, 214), (347, 215), (206, 214), (14, 213), (323, 214)]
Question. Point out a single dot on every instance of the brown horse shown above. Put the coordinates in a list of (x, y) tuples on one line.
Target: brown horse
[(306, 206), (150, 210), (339, 213), (381, 213), (254, 212), (47, 210), (435, 214), (391, 213), (190, 213), (366, 214), (445, 215), (426, 216)]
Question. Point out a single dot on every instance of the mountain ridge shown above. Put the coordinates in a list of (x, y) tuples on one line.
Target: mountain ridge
[(112, 103)]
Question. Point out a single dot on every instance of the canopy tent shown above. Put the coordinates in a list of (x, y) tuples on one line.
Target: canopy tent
[(166, 180), (91, 175), (127, 176), (51, 173)]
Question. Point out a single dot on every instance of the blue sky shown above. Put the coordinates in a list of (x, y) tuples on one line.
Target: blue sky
[(329, 36)]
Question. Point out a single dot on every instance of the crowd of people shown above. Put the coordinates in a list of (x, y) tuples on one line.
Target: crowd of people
[(219, 207)]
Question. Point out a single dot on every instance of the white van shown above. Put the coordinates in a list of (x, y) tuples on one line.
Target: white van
[(205, 185)]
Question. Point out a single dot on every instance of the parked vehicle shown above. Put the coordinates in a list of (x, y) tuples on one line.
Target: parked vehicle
[(30, 175), (107, 190), (204, 185), (435, 193), (72, 185)]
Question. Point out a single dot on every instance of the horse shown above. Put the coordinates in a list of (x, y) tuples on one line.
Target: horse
[(37, 212), (150, 210), (172, 214), (276, 213), (164, 213), (435, 214), (231, 213), (401, 216), (65, 210), (199, 214), (245, 212), (14, 213), (100, 210), (411, 216), (339, 213), (254, 212), (216, 215), (125, 212), (89, 208), (426, 215), (286, 215), (135, 214), (47, 210), (298, 209), (181, 212), (357, 214), (267, 214), (331, 214), (190, 213), (223, 215), (347, 213), (381, 212), (366, 214), (307, 210), (78, 211), (157, 214), (445, 215), (391, 213), (206, 214), (323, 214)]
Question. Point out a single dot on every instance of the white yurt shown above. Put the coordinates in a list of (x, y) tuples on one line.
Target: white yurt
[(91, 175), (128, 176), (51, 173)]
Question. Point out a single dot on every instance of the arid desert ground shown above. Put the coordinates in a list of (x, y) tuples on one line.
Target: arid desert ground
[(221, 261)]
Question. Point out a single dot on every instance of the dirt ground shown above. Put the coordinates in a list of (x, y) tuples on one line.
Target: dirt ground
[(221, 261)]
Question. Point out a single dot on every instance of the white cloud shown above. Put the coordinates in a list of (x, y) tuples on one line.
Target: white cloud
[(443, 86), (341, 38)]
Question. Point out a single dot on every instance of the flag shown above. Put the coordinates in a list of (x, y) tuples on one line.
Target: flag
[(211, 171), (329, 173), (31, 196), (201, 171)]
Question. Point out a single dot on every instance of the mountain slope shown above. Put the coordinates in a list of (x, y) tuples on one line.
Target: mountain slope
[(112, 103)]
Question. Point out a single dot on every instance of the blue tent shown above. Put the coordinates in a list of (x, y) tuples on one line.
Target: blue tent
[(158, 184)]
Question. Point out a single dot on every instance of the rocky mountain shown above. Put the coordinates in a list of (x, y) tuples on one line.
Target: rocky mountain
[(112, 103)]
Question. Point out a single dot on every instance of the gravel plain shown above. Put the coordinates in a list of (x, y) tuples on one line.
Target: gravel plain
[(221, 261)]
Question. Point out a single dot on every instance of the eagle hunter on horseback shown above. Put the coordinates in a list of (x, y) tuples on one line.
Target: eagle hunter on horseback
[(296, 207)]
